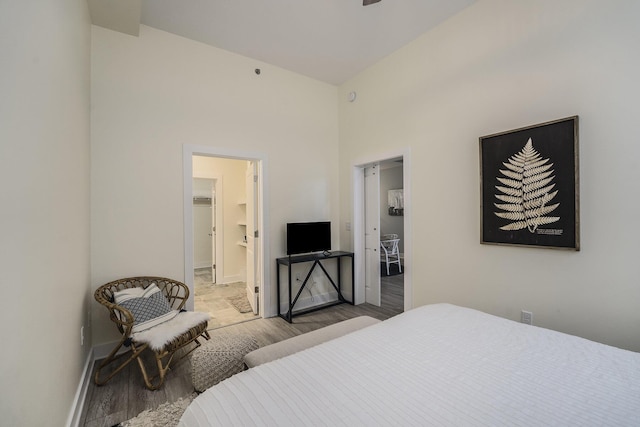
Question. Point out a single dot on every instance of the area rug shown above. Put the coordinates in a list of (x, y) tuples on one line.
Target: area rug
[(241, 303), (166, 415)]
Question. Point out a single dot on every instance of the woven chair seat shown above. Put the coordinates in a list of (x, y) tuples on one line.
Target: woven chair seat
[(220, 358)]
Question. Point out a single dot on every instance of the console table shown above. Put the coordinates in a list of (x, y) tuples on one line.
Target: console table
[(316, 259)]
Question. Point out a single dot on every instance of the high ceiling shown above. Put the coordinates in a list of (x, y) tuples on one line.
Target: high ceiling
[(329, 40)]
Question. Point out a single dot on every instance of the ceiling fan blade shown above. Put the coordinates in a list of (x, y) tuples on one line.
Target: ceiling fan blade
[(368, 2)]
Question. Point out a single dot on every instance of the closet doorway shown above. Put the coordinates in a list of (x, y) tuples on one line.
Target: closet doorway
[(384, 234), (206, 254), (392, 236), (222, 262), (382, 197)]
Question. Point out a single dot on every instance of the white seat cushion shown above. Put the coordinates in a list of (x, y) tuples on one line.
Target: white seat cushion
[(160, 335)]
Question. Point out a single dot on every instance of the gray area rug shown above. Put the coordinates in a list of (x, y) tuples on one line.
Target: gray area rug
[(166, 415), (241, 303)]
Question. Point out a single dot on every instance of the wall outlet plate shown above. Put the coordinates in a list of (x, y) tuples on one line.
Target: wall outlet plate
[(526, 317)]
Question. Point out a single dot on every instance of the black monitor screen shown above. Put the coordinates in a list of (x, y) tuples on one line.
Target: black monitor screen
[(305, 237)]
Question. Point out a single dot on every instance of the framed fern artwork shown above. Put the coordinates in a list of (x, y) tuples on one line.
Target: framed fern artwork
[(529, 186)]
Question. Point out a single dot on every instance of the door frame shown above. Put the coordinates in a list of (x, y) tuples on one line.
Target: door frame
[(188, 151), (358, 222), (252, 279)]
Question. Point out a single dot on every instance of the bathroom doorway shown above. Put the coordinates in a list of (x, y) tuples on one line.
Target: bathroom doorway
[(221, 260)]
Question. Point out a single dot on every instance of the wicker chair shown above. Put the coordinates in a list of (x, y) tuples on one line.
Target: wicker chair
[(176, 294)]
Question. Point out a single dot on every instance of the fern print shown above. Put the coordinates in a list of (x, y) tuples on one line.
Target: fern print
[(526, 191)]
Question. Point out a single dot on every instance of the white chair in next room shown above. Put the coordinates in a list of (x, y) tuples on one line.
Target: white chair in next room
[(391, 252)]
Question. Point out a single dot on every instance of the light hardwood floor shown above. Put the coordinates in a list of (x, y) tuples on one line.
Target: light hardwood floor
[(125, 396)]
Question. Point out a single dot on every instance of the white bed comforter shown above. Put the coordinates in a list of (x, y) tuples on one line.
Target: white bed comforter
[(437, 365)]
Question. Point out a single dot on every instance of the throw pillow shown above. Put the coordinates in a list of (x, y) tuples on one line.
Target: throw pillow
[(149, 306)]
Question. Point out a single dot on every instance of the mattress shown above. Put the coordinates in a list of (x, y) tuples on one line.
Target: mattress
[(436, 365)]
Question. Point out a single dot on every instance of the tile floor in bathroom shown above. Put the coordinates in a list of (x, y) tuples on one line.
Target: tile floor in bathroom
[(212, 298)]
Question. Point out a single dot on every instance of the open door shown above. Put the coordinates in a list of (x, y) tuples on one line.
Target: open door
[(204, 224), (252, 235), (372, 234), (213, 234)]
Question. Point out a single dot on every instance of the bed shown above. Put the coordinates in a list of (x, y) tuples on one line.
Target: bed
[(436, 365)]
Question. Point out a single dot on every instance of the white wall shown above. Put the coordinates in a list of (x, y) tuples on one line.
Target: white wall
[(44, 219), (496, 66), (152, 94)]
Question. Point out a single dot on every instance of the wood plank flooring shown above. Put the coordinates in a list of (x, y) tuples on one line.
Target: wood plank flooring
[(125, 396)]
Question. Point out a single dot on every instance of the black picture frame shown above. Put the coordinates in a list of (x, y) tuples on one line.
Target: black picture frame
[(529, 186), (395, 202)]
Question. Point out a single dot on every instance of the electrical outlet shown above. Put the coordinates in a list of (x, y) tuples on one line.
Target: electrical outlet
[(81, 336), (526, 317)]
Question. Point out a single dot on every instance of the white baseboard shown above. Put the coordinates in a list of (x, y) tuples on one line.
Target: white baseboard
[(79, 399), (96, 353), (101, 351), (231, 279)]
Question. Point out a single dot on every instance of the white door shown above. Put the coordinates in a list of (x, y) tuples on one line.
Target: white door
[(372, 234), (202, 233), (252, 232), (213, 234)]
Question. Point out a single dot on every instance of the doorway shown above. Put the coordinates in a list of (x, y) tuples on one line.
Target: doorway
[(220, 266), (392, 235), (375, 181), (206, 227)]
